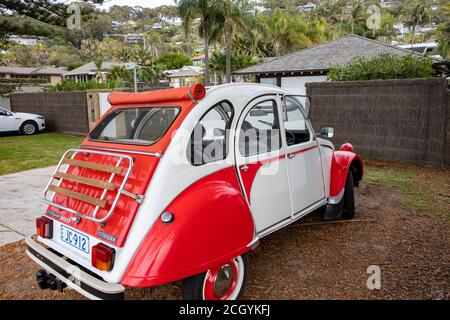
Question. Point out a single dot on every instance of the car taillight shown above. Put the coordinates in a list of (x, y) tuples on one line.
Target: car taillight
[(44, 227), (102, 257)]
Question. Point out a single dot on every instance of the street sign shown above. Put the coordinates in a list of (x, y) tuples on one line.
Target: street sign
[(130, 65)]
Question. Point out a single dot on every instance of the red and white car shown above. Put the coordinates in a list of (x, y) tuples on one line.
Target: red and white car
[(181, 184)]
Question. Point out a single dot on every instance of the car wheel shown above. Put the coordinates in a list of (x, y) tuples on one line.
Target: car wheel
[(224, 282), (28, 128), (349, 198)]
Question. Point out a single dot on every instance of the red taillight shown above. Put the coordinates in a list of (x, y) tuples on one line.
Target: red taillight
[(102, 257), (44, 227)]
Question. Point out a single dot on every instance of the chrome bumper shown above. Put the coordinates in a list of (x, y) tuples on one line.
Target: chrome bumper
[(75, 278)]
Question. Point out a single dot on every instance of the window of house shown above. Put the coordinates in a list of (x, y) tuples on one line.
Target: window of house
[(260, 130), (210, 138)]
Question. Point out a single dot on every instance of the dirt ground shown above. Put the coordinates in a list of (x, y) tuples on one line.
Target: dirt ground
[(315, 260)]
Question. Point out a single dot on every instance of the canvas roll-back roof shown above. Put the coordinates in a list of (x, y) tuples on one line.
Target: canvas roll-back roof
[(194, 93)]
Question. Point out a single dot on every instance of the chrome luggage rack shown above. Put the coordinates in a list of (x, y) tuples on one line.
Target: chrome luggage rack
[(98, 203)]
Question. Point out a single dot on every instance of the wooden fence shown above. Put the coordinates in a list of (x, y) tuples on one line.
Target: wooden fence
[(63, 111), (404, 120)]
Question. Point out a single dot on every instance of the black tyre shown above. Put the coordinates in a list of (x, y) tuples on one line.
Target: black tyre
[(225, 282), (29, 128), (349, 198)]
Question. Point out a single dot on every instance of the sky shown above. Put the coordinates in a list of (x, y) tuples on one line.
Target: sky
[(142, 3)]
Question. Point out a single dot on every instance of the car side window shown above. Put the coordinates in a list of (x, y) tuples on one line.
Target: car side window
[(295, 126), (260, 130), (210, 138)]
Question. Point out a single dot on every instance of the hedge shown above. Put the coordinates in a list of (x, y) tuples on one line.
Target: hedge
[(384, 66)]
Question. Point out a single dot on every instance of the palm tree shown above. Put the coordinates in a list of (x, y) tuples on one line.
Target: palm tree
[(142, 56), (217, 63), (235, 15), (187, 12), (277, 24), (124, 53), (153, 43), (416, 13), (211, 23), (98, 61)]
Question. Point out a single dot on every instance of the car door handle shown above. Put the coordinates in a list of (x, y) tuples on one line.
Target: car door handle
[(291, 155), (244, 167)]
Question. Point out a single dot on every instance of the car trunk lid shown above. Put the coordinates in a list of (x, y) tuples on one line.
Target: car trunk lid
[(99, 192)]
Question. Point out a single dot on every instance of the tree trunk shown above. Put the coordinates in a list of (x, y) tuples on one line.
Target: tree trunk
[(187, 44), (207, 80), (228, 58)]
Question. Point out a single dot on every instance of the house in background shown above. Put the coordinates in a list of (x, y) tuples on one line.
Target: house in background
[(49, 75), (307, 7), (27, 40), (294, 70), (198, 61), (89, 71), (185, 76)]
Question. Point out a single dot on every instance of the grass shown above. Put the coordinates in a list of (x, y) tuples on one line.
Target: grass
[(423, 188), (19, 153)]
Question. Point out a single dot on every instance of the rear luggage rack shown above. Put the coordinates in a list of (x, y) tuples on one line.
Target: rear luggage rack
[(97, 203)]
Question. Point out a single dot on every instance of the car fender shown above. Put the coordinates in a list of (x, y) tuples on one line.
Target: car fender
[(212, 224), (342, 162)]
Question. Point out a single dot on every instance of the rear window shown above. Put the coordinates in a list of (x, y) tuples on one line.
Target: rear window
[(140, 125)]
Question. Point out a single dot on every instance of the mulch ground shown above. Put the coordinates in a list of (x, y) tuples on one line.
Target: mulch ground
[(311, 259)]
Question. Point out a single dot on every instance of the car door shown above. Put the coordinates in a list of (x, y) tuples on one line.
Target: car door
[(261, 163), (7, 121), (304, 163)]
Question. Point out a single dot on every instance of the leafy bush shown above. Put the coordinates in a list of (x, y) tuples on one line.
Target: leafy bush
[(173, 60), (384, 66), (71, 85)]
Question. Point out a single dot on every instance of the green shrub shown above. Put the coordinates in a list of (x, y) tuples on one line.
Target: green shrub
[(384, 66), (71, 85)]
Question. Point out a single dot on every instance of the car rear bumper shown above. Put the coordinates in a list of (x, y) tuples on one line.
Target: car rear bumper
[(69, 273)]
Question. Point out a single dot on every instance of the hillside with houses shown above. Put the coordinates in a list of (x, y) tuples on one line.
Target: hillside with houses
[(178, 45)]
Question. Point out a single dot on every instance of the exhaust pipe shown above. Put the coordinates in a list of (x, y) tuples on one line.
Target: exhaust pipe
[(48, 281)]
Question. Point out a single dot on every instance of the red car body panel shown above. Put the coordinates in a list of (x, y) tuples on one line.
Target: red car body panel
[(120, 222), (340, 165), (193, 243)]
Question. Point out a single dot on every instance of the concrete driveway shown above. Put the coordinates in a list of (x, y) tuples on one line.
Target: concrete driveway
[(20, 203)]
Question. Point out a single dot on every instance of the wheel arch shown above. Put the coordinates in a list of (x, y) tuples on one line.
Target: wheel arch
[(342, 162)]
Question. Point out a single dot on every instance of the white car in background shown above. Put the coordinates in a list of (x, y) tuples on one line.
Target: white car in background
[(25, 123)]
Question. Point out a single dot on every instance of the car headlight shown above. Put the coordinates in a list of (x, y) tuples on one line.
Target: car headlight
[(42, 118)]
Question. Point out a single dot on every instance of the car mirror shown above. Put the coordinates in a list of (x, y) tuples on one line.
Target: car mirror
[(327, 132), (258, 113), (304, 100)]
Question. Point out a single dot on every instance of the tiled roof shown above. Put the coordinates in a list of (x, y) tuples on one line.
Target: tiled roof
[(340, 51), (32, 71)]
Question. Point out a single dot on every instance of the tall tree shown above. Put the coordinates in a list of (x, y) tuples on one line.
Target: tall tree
[(234, 13), (416, 12), (211, 22), (187, 12)]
